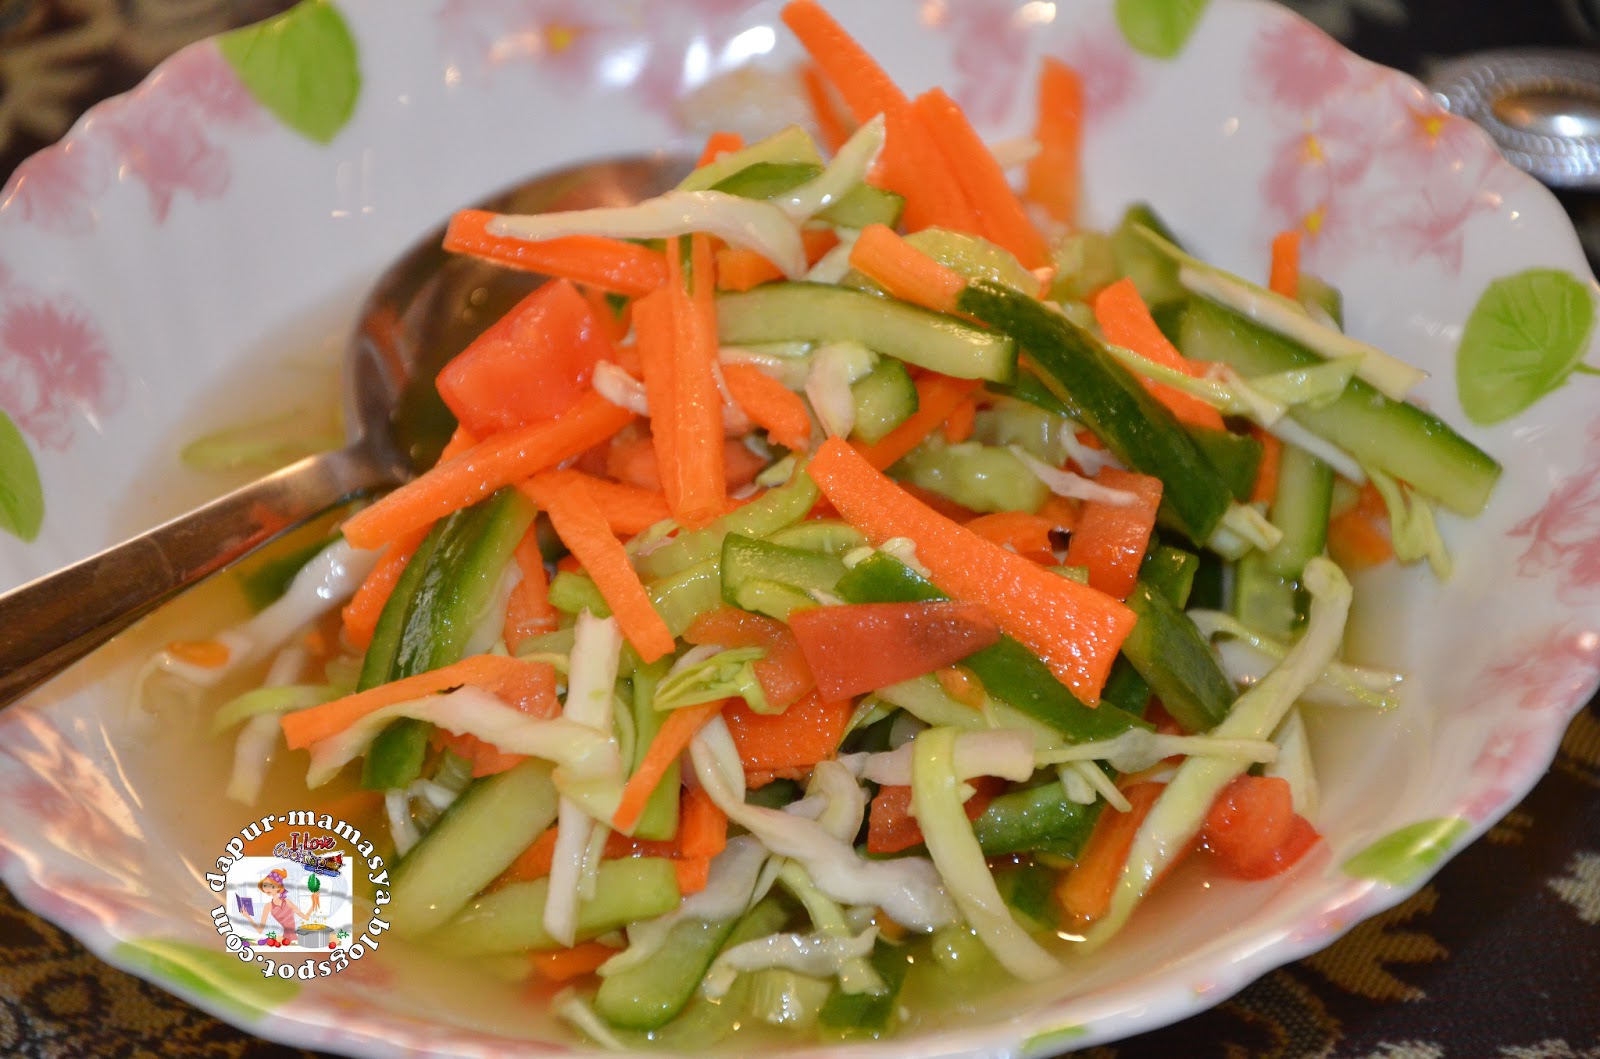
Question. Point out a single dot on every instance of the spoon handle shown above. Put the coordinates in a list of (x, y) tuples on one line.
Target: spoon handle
[(48, 624)]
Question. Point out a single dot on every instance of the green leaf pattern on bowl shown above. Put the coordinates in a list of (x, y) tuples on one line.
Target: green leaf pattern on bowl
[(1525, 337), (1403, 856), (1159, 28), (21, 493), (302, 66), (209, 972)]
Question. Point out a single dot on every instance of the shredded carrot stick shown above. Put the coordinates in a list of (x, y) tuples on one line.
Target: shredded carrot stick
[(460, 441), (963, 418), (1359, 538), (693, 874), (1085, 892), (506, 457), (673, 735), (1286, 263), (361, 614), (719, 143), (906, 272), (206, 654), (1265, 489), (562, 965), (739, 269), (866, 89), (628, 509), (1060, 512), (770, 405), (596, 261), (937, 397), (528, 611), (698, 464), (959, 683), (833, 127), (1055, 174), (912, 166), (1076, 630), (656, 333), (702, 827), (1126, 321), (581, 525), (530, 684), (982, 181)]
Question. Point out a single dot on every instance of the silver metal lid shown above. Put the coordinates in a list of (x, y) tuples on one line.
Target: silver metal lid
[(1542, 108)]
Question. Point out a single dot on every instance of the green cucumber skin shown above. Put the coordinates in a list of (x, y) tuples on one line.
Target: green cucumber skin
[(1138, 429), (1397, 438), (815, 312), (1155, 274), (884, 399), (1176, 661), (652, 994), (1237, 457), (511, 919), (477, 838), (453, 586), (1171, 571), (863, 1015), (1008, 670), (1035, 818)]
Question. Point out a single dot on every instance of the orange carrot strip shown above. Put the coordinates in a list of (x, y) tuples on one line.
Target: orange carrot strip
[(961, 685), (500, 460), (1126, 321), (1265, 489), (866, 89), (1359, 538), (517, 681), (693, 874), (698, 466), (581, 525), (770, 405), (656, 332), (912, 166), (1085, 892), (561, 965), (937, 397), (1054, 176), (361, 614), (207, 654), (702, 827), (528, 611), (1110, 539), (739, 269), (1286, 263), (1076, 630), (963, 418), (1016, 530), (673, 735), (628, 509), (982, 181), (718, 143), (597, 261), (906, 272), (1059, 512), (833, 128), (460, 441)]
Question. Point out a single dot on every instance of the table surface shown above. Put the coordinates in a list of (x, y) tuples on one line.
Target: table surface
[(1426, 980)]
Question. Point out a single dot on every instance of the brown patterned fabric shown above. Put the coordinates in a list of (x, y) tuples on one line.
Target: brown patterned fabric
[(1498, 957)]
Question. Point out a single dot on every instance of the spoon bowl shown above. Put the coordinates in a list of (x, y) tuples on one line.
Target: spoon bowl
[(423, 310)]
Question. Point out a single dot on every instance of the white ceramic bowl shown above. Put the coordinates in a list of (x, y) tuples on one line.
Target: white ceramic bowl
[(192, 253)]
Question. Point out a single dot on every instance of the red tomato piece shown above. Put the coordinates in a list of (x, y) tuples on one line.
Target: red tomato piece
[(891, 827), (1110, 539), (531, 364), (1253, 829), (860, 647)]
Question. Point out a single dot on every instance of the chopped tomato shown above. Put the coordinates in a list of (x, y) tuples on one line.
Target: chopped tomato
[(1110, 539), (531, 364), (1253, 829), (860, 647), (891, 827)]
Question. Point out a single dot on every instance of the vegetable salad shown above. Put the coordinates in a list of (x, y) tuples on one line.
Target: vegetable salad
[(844, 557)]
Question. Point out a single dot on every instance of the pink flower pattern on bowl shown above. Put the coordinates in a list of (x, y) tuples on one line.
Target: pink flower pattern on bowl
[(56, 368), (1564, 534)]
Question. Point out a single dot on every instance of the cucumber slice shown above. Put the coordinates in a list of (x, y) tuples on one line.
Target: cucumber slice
[(1263, 600), (884, 398), (745, 559), (860, 206), (828, 536), (1300, 508), (974, 258), (1106, 398), (1400, 439), (511, 919), (652, 994), (1176, 661), (1318, 294), (1034, 818), (863, 205), (476, 839), (814, 312), (788, 145), (975, 476), (1154, 273), (1236, 457)]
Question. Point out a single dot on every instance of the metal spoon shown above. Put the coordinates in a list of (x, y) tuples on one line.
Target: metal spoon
[(422, 311)]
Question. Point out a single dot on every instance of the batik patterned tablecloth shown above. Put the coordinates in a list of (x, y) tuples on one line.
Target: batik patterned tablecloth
[(1499, 956)]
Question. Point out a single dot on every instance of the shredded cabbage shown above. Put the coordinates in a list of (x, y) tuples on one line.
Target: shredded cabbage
[(834, 367), (819, 955), (1137, 749), (1294, 765), (835, 264), (1065, 483), (1412, 528), (620, 388), (252, 752), (936, 800), (596, 650), (847, 169), (907, 888), (855, 974), (570, 1006), (1179, 812), (1242, 528), (750, 223), (711, 675), (1088, 780), (1002, 752), (1339, 685), (1291, 432)]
